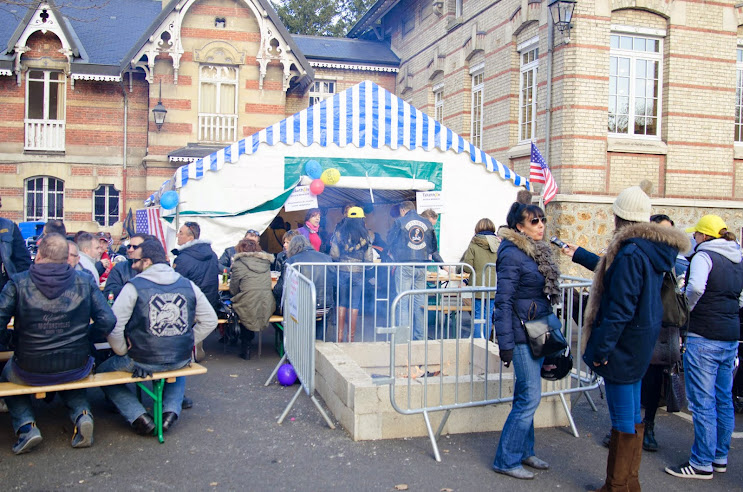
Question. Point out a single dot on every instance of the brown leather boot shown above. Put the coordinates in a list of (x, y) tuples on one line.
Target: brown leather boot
[(619, 462), (633, 482)]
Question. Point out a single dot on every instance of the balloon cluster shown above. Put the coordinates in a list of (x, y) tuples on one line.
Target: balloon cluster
[(320, 178)]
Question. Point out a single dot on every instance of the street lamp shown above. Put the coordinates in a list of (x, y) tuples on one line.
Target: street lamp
[(562, 13), (159, 111)]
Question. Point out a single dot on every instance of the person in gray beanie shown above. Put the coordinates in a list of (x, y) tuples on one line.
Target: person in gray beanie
[(622, 322)]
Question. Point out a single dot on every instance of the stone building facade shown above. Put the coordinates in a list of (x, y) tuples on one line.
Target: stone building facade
[(640, 89), (78, 84)]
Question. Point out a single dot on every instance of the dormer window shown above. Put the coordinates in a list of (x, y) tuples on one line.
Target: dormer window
[(45, 110)]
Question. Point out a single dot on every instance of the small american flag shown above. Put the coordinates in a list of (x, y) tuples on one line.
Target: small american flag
[(148, 222), (539, 172)]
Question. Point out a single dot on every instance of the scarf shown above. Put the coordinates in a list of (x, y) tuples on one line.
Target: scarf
[(541, 253), (315, 240)]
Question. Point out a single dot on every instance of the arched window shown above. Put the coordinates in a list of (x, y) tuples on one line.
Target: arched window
[(106, 205), (44, 198)]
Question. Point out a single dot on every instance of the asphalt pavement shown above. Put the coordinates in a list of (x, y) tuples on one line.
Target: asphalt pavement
[(230, 440)]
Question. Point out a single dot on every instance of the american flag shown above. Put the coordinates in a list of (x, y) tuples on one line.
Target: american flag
[(539, 172), (148, 222)]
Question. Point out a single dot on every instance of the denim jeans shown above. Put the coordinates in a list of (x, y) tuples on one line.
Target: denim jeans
[(517, 439), (126, 401), (708, 370), (409, 278), (21, 411), (623, 401), (489, 308)]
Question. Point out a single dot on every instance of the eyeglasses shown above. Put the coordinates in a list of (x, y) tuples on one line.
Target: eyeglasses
[(535, 220), (133, 246), (253, 231)]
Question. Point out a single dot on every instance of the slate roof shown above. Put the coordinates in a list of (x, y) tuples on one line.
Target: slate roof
[(346, 50)]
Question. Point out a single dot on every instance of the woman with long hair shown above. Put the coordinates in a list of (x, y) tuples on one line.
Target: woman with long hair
[(351, 244), (622, 323), (714, 289), (527, 288)]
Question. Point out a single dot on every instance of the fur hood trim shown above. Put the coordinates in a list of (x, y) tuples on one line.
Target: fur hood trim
[(541, 253), (261, 255), (649, 231), (520, 240)]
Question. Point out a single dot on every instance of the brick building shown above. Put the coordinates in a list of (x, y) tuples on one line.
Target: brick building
[(78, 83), (641, 89)]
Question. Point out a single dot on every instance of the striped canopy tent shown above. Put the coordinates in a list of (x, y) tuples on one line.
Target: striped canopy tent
[(376, 140)]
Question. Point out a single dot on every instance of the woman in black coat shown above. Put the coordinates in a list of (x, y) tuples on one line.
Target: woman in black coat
[(527, 287)]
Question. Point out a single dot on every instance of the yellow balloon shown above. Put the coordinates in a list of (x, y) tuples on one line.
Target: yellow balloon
[(330, 176)]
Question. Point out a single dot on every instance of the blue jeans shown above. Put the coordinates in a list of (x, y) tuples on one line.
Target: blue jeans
[(623, 401), (517, 439), (708, 369), (126, 401), (409, 278), (21, 411), (489, 308)]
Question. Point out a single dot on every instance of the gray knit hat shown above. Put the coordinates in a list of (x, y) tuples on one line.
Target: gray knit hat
[(633, 203)]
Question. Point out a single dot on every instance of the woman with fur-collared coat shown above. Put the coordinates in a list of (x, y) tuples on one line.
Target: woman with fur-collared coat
[(623, 319), (250, 286)]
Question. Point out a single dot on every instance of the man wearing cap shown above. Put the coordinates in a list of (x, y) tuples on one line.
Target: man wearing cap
[(714, 289), (225, 261)]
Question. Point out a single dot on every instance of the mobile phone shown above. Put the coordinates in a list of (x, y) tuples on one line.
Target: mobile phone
[(556, 241)]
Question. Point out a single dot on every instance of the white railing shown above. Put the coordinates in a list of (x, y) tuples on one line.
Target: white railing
[(45, 135), (217, 127)]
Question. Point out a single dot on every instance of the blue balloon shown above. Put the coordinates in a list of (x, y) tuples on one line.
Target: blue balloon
[(169, 199), (313, 169)]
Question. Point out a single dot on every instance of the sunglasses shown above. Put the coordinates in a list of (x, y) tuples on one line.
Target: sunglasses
[(133, 246), (535, 220), (253, 231)]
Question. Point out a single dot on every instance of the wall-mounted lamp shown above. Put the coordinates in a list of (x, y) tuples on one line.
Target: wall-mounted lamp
[(159, 111), (562, 13)]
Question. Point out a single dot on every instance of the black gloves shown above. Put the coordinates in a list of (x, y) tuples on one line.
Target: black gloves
[(506, 356), (141, 372)]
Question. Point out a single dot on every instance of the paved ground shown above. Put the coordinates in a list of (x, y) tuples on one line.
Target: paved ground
[(230, 440)]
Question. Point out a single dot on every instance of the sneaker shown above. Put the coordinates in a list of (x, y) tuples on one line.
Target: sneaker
[(720, 467), (520, 473), (686, 470), (82, 437), (29, 436), (536, 463)]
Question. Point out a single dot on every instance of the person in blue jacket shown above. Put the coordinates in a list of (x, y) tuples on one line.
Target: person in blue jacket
[(527, 287), (622, 323)]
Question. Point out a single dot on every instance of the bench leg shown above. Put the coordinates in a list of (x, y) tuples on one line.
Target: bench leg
[(157, 404)]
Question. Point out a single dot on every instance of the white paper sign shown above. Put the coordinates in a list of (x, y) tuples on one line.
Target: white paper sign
[(300, 199), (429, 199), (291, 301)]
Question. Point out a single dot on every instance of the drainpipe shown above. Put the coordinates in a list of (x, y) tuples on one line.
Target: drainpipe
[(122, 212), (548, 102)]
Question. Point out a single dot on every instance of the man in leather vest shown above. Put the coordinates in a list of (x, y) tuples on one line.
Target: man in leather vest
[(160, 315), (123, 271), (13, 253), (53, 305)]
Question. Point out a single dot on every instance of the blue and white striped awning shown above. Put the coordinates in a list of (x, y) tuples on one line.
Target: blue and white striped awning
[(364, 115)]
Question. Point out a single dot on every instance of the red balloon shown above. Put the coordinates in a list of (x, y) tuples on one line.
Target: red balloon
[(317, 186)]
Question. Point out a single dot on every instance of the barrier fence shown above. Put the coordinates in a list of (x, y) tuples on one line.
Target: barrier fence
[(441, 355)]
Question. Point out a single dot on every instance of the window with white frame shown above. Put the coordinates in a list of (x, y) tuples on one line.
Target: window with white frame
[(438, 104), (634, 85), (321, 89), (478, 86), (529, 62), (739, 97), (44, 198), (106, 205), (218, 103), (45, 110)]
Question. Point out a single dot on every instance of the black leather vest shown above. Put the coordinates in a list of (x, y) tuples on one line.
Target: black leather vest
[(715, 316), (161, 327)]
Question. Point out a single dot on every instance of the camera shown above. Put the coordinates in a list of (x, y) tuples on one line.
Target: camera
[(556, 241)]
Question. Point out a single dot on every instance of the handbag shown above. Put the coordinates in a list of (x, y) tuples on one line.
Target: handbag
[(675, 389), (675, 305), (545, 335)]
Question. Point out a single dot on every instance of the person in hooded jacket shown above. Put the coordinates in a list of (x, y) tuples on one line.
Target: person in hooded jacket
[(714, 289), (196, 261), (527, 287), (483, 249), (622, 322), (250, 286)]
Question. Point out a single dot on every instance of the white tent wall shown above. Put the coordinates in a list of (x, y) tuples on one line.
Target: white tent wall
[(470, 192)]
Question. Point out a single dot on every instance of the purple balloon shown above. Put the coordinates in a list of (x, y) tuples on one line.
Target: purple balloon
[(286, 375)]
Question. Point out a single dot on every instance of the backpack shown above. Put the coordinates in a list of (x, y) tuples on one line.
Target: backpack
[(675, 305)]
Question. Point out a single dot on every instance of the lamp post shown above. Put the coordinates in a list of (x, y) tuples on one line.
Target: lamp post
[(159, 111)]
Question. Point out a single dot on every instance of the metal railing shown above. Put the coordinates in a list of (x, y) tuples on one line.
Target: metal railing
[(46, 135)]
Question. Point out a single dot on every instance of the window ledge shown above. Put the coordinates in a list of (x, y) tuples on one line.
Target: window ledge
[(520, 150), (454, 22), (738, 150), (636, 146)]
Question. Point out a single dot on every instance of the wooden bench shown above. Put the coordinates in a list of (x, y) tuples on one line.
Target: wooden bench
[(111, 379)]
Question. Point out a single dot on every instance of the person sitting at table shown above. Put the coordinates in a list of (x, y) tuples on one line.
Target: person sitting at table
[(123, 271), (250, 286), (160, 316), (225, 260), (53, 305), (278, 264)]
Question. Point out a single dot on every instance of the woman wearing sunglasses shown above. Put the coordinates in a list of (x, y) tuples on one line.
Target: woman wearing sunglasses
[(527, 287)]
